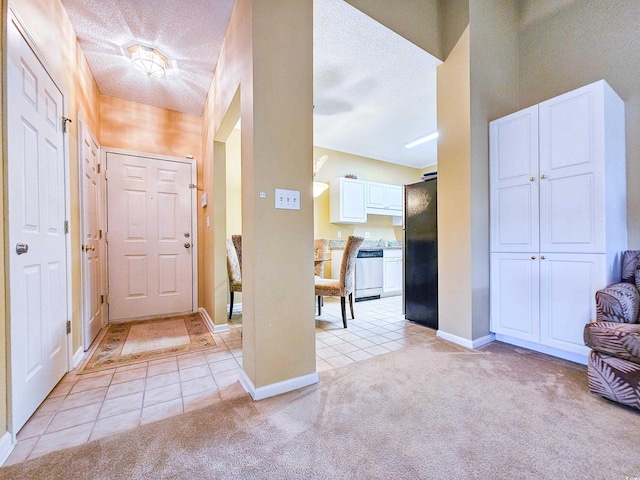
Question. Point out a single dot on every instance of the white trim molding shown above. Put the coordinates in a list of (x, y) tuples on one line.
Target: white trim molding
[(6, 447), (78, 357), (472, 344), (537, 347), (274, 389), (212, 326)]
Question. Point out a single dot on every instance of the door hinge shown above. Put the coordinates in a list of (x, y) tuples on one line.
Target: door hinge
[(101, 299), (99, 233), (64, 124), (68, 327), (106, 299), (106, 237), (66, 226), (99, 167)]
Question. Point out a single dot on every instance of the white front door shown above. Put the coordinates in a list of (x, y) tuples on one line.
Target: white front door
[(37, 243), (150, 236), (92, 243)]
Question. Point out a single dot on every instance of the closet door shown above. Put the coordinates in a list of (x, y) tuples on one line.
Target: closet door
[(572, 172), (568, 283), (515, 295), (514, 182)]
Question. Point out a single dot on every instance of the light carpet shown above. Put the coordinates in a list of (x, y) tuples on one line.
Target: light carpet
[(430, 411), (140, 341)]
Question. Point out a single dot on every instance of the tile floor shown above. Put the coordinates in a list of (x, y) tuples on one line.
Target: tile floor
[(86, 407)]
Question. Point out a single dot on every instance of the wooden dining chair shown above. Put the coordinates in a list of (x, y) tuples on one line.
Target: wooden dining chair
[(319, 251), (343, 286)]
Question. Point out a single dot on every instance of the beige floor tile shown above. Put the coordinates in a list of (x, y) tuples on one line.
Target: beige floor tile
[(197, 385), (120, 405), (21, 451), (66, 438), (162, 394), (162, 380), (126, 388), (191, 361), (161, 410), (327, 352), (392, 345), (61, 390), (227, 378), (49, 406), (133, 366), (362, 343), (219, 356), (165, 367), (359, 355), (119, 423), (321, 366), (128, 375), (223, 366), (200, 400), (91, 383), (195, 372), (73, 417), (233, 390), (345, 348), (377, 350), (34, 427), (86, 397), (339, 361)]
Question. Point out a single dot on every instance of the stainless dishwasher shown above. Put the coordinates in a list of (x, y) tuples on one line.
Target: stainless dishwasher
[(368, 275)]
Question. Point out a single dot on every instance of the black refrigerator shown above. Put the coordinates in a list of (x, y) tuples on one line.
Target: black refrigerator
[(420, 246)]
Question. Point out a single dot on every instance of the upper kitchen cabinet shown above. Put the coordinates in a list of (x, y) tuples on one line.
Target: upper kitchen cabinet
[(384, 199), (347, 201)]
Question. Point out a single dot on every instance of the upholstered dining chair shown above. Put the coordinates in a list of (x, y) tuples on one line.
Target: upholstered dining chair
[(237, 242), (235, 274), (319, 249), (344, 286)]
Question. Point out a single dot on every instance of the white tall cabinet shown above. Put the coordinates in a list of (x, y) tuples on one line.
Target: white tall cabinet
[(558, 217)]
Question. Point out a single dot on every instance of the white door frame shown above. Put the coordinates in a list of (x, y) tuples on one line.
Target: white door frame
[(83, 127), (194, 209), (14, 18)]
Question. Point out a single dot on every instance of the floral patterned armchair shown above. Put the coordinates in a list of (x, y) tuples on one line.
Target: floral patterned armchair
[(614, 361)]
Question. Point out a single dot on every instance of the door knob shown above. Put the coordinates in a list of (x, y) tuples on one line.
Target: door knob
[(543, 176), (187, 245), (542, 257), (187, 235), (532, 179), (21, 248), (533, 257)]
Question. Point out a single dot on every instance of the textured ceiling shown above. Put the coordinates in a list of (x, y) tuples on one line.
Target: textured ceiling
[(373, 90), (188, 32)]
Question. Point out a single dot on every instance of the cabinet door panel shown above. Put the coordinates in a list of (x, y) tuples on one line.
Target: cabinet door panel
[(568, 283), (515, 295), (394, 197), (572, 163), (376, 195), (514, 182)]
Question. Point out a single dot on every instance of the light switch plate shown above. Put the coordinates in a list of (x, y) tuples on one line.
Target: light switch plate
[(287, 199)]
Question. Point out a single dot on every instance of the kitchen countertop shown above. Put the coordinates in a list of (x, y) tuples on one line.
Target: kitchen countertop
[(367, 244)]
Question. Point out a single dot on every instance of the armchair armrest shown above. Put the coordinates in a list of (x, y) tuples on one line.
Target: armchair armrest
[(618, 303)]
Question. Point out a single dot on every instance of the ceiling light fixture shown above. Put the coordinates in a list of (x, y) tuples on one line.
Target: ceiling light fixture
[(421, 140), (148, 60)]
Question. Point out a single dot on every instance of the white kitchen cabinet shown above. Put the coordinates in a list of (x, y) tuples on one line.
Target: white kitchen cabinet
[(347, 201), (384, 199), (558, 217), (392, 270)]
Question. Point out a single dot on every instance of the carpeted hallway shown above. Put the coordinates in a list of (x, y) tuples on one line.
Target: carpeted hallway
[(428, 411)]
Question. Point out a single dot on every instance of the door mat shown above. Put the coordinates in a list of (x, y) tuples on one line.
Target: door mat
[(144, 340)]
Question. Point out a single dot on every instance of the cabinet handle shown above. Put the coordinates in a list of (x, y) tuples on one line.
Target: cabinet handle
[(532, 179), (542, 257), (543, 176), (533, 257)]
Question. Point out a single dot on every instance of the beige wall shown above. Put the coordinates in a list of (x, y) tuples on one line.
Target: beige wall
[(145, 128), (276, 114), (565, 44), (233, 184)]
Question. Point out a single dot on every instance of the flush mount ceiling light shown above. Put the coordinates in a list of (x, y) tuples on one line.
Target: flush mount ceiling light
[(148, 60), (421, 140)]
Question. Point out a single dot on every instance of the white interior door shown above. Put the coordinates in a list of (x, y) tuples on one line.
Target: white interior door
[(93, 244), (150, 236), (36, 193)]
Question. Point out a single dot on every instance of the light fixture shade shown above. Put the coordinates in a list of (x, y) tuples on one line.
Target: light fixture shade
[(148, 60), (318, 188)]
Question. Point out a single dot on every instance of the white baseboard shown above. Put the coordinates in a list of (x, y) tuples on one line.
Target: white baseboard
[(472, 344), (212, 326), (78, 357), (6, 447), (274, 389), (581, 358)]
